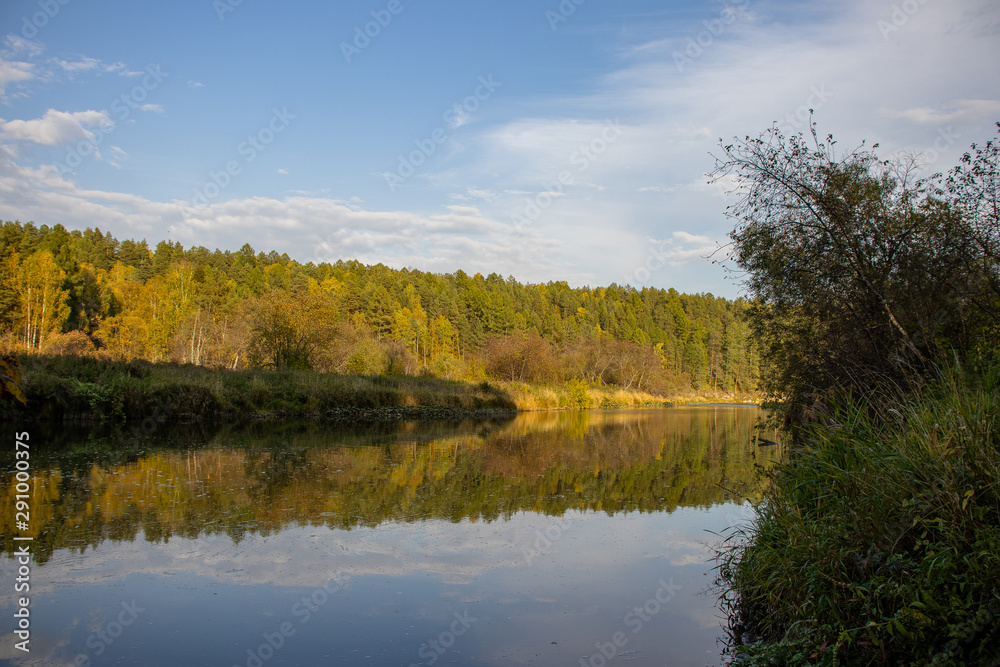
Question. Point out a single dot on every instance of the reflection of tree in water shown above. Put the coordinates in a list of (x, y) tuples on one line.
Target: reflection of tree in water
[(269, 474), (267, 477)]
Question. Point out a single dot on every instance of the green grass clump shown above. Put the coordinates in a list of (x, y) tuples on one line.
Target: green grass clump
[(879, 542)]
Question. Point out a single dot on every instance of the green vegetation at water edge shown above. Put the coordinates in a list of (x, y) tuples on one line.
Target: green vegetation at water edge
[(67, 387), (879, 543)]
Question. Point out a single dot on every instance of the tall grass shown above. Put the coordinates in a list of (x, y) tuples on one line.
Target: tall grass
[(879, 543), (577, 394)]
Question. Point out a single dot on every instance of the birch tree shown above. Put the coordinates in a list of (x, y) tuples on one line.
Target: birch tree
[(38, 283)]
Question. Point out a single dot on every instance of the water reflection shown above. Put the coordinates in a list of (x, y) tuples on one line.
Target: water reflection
[(549, 530), (265, 477)]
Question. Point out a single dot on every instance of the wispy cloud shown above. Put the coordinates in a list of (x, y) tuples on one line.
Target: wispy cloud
[(14, 72), (89, 64), (117, 157), (937, 72), (949, 112), (16, 44), (84, 64), (459, 237)]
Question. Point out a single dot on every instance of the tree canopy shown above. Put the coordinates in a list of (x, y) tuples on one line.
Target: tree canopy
[(860, 272)]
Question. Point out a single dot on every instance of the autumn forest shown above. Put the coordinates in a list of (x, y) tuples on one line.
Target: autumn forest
[(87, 293)]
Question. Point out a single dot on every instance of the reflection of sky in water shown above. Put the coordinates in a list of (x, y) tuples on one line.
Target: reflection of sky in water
[(400, 588), (542, 589)]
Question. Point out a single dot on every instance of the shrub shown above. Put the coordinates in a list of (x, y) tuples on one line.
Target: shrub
[(71, 343)]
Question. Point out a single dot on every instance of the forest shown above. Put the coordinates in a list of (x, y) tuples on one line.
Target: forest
[(86, 293)]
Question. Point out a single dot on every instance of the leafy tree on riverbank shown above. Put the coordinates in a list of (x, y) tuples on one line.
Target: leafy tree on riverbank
[(862, 275)]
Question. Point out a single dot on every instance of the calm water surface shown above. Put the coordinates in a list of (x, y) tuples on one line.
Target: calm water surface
[(571, 538)]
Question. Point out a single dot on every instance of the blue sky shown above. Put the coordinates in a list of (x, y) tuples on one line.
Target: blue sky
[(536, 139)]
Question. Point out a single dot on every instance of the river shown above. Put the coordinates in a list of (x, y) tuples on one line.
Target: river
[(559, 538)]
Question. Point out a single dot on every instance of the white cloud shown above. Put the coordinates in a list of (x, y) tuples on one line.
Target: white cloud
[(117, 157), (89, 64), (460, 117), (938, 70), (949, 112), (14, 72), (155, 108), (84, 64), (17, 44), (55, 128), (487, 195), (122, 71), (684, 247), (308, 228), (936, 73)]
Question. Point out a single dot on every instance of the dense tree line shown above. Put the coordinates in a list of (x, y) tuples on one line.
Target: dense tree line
[(85, 292)]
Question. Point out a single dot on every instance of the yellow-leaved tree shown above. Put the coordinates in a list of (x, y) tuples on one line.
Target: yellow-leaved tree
[(38, 282), (125, 329)]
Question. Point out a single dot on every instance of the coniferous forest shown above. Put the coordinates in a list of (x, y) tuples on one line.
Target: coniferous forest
[(87, 293)]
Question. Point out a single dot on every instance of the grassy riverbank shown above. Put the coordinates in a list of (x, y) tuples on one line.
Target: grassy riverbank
[(66, 387), (577, 394), (85, 388), (879, 544)]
